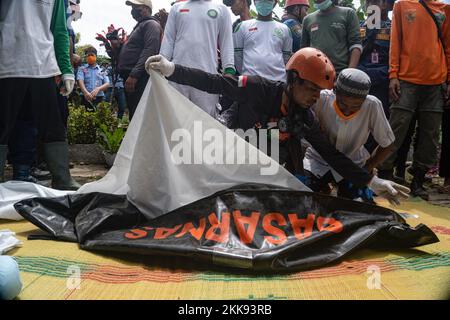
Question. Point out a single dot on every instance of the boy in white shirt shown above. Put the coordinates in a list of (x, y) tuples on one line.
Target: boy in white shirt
[(347, 116), (262, 46)]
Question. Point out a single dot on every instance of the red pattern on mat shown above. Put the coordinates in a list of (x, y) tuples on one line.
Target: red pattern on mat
[(126, 275), (441, 230)]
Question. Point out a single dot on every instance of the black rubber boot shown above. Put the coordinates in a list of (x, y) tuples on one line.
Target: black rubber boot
[(412, 171), (22, 173), (417, 189), (57, 157), (3, 154), (399, 175)]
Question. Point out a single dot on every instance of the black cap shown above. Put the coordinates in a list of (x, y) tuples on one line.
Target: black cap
[(353, 82)]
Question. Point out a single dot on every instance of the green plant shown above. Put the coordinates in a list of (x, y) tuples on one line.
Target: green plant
[(111, 140), (104, 115), (125, 122), (81, 126), (84, 126)]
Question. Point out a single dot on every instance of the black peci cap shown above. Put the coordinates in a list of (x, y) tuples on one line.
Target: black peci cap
[(229, 3)]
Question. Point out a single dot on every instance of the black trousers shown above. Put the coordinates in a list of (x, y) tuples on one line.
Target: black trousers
[(133, 98), (444, 166), (23, 142), (63, 108), (37, 98)]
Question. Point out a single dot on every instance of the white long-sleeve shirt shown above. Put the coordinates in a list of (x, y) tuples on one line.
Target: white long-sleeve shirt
[(262, 48), (194, 31)]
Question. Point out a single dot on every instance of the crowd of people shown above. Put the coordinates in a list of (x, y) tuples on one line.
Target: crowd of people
[(348, 97)]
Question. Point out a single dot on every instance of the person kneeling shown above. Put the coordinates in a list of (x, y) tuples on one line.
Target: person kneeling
[(347, 116)]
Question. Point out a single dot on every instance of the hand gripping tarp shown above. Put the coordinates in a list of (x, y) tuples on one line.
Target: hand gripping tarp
[(255, 227), (145, 170)]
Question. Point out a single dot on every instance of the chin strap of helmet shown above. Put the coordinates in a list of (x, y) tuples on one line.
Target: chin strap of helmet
[(292, 123)]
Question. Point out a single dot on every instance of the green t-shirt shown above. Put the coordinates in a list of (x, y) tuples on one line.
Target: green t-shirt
[(335, 33)]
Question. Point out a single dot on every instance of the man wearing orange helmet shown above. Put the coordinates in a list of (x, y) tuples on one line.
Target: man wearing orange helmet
[(295, 11), (308, 72)]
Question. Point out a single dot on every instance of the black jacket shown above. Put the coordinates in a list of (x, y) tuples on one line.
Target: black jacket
[(144, 42), (251, 91)]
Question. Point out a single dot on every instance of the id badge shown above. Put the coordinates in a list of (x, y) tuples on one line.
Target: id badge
[(375, 57)]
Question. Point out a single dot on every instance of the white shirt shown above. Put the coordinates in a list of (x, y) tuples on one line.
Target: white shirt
[(194, 31), (348, 134), (262, 48), (26, 42)]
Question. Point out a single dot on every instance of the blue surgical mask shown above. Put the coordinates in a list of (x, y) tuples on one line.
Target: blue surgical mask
[(264, 7), (324, 5)]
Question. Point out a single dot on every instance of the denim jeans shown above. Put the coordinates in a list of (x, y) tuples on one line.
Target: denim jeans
[(10, 284), (119, 94)]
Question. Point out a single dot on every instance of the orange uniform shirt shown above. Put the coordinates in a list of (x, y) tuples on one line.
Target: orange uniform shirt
[(416, 54)]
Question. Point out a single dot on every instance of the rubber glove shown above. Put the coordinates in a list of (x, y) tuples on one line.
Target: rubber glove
[(390, 190), (69, 84), (160, 64)]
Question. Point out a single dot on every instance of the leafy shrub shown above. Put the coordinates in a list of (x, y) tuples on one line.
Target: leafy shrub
[(111, 140), (103, 115), (83, 126)]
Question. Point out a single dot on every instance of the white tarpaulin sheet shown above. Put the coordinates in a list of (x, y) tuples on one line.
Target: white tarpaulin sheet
[(14, 191), (173, 154)]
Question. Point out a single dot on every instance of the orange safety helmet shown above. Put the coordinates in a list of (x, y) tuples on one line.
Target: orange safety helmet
[(296, 2), (313, 65)]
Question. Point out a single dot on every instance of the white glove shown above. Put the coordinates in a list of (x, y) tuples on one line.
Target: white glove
[(69, 84), (161, 64), (390, 190)]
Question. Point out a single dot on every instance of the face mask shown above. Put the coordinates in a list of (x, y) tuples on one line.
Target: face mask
[(136, 13), (91, 60), (324, 5), (264, 7)]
